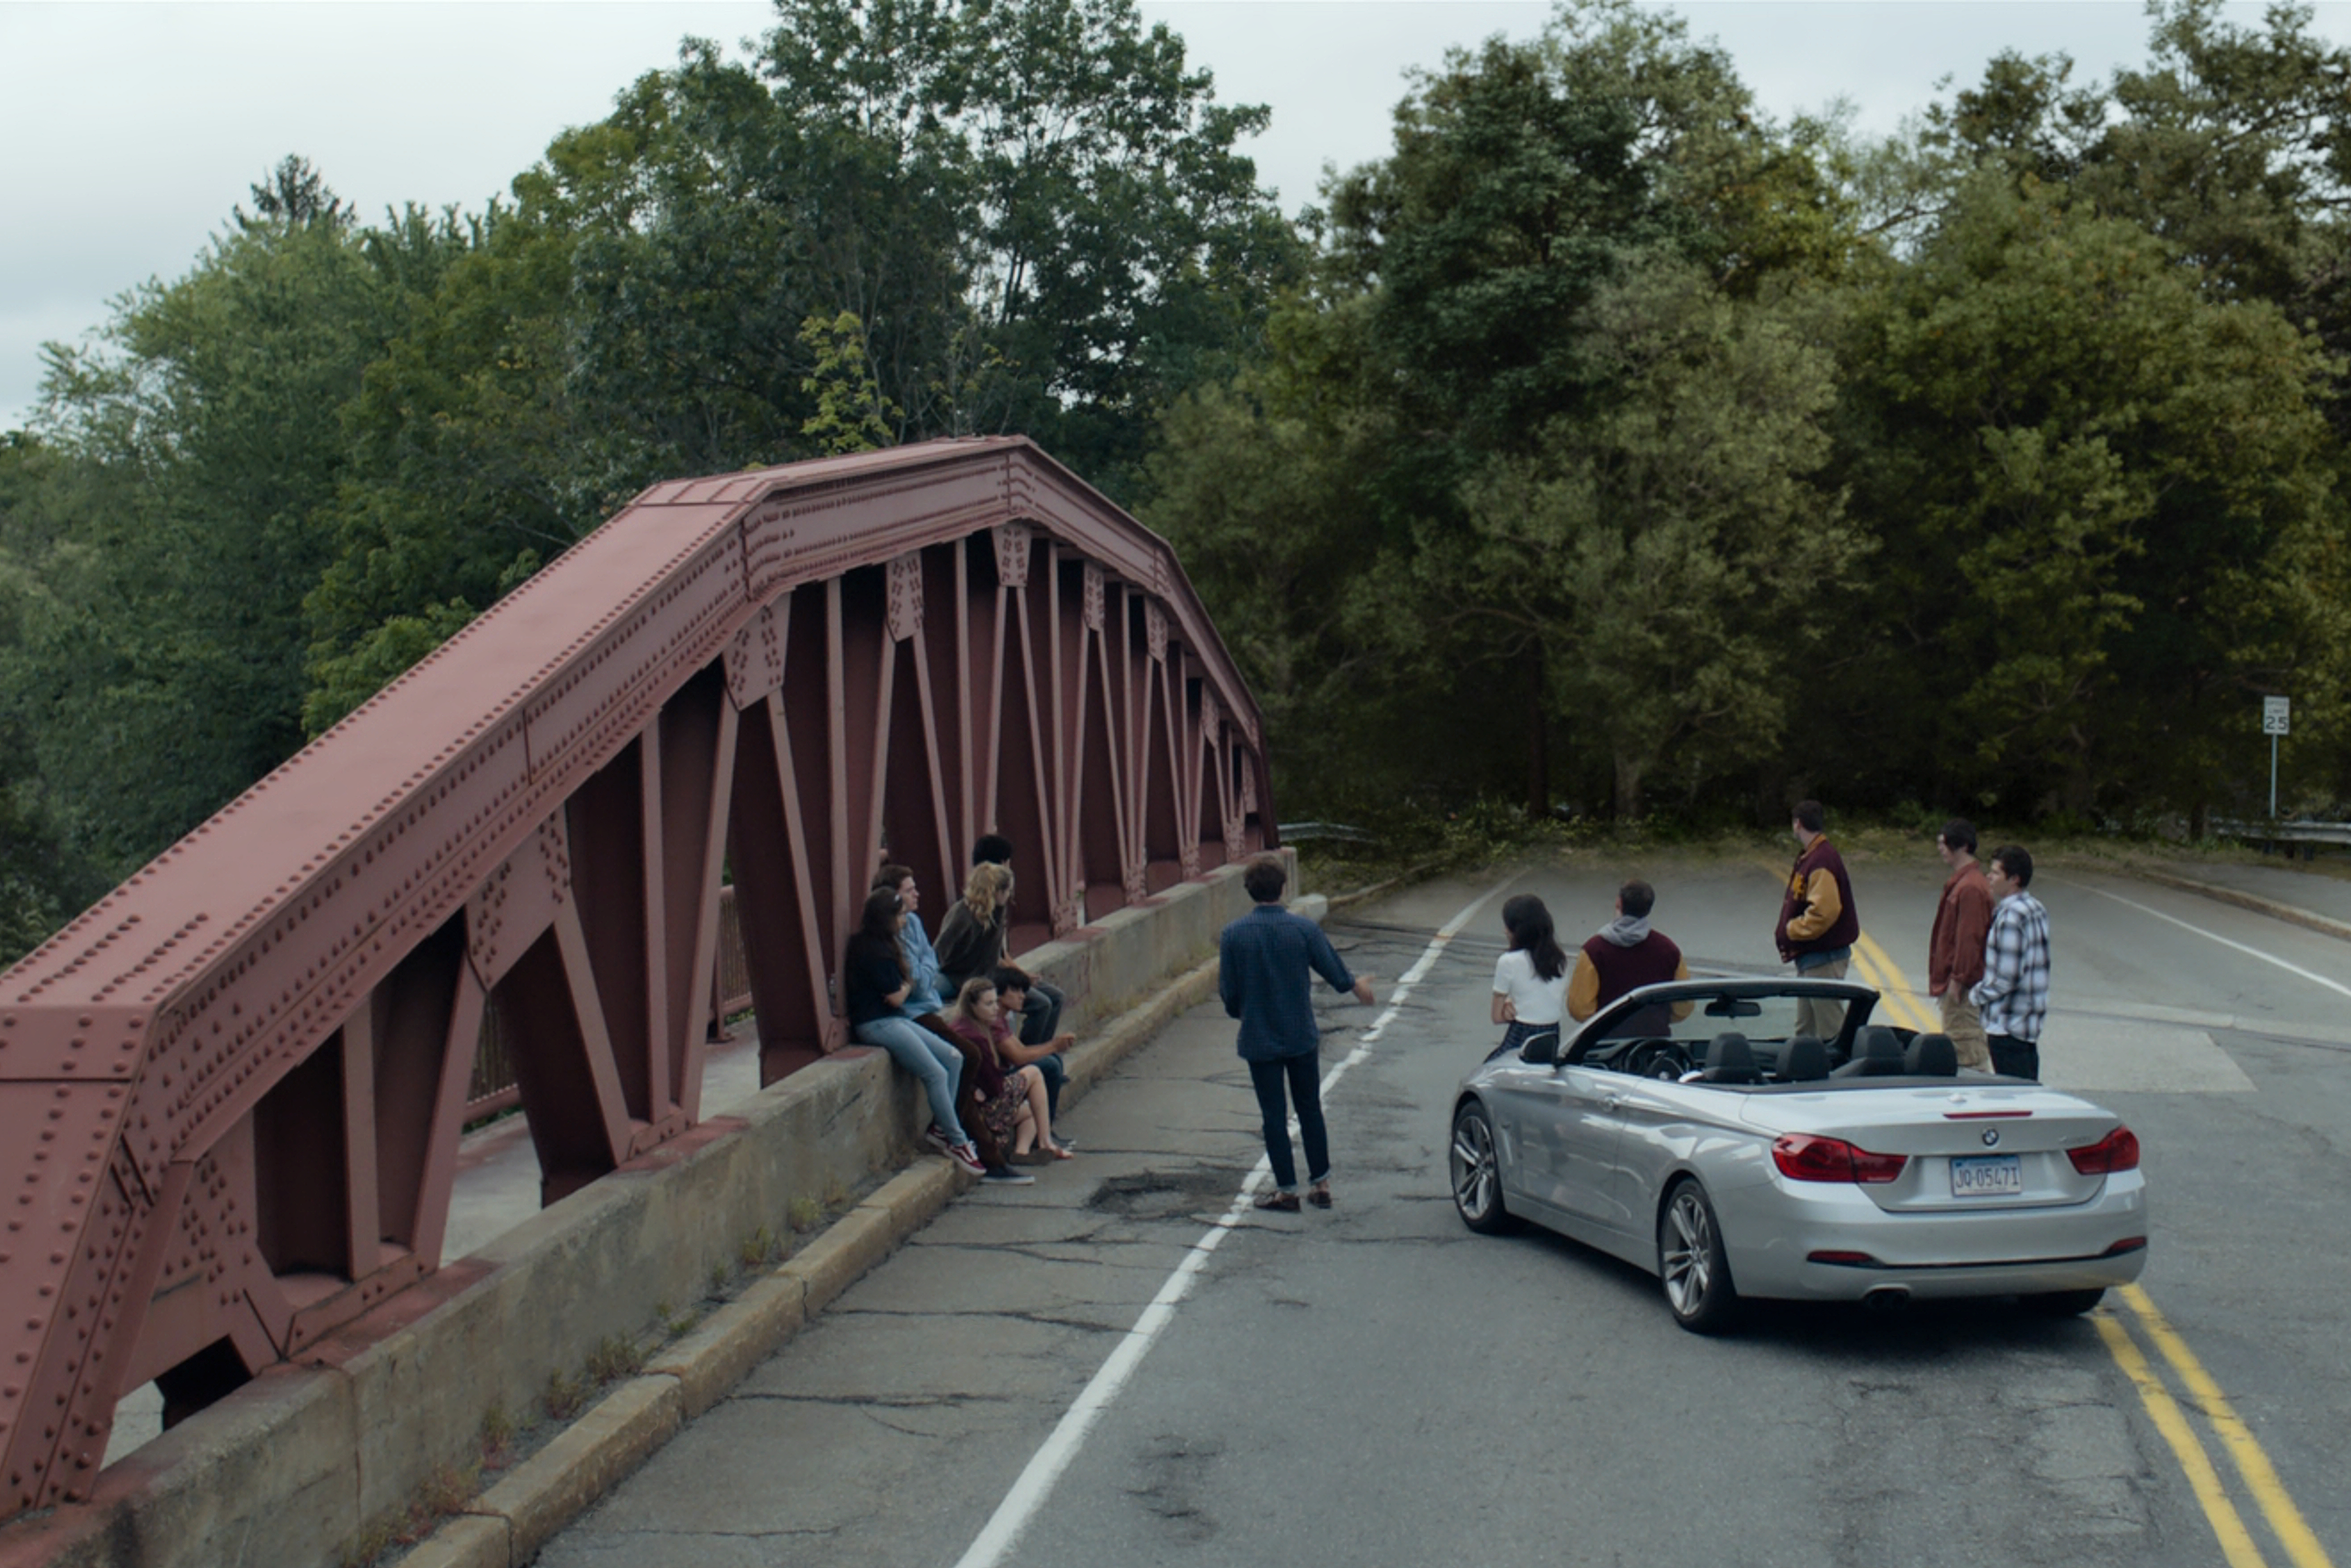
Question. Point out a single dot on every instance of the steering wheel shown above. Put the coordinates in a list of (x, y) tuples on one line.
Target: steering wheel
[(1659, 1059)]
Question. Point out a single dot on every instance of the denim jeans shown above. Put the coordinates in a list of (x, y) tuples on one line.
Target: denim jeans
[(936, 1064), (1055, 1075), (1303, 1073), (1040, 1015)]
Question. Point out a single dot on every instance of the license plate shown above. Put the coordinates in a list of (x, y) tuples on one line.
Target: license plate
[(1989, 1176)]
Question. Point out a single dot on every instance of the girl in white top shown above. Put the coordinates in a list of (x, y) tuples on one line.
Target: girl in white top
[(1530, 980)]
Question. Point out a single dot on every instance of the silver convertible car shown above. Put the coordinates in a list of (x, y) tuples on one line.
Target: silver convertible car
[(1691, 1129)]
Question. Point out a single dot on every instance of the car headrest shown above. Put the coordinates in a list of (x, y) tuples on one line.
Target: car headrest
[(1876, 1054), (1731, 1059), (1807, 1059), (1932, 1056)]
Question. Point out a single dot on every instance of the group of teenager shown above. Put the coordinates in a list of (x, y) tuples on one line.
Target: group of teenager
[(1987, 956), (978, 1032)]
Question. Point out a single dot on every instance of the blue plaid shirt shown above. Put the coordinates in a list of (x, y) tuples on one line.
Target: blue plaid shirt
[(1262, 963), (2014, 990)]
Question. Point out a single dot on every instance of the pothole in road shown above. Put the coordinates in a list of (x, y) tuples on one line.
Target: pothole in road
[(1160, 1195)]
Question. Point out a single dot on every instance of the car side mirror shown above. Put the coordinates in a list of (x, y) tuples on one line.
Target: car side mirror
[(1542, 1049)]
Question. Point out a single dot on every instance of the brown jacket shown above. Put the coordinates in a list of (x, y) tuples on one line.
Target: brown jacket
[(1955, 949)]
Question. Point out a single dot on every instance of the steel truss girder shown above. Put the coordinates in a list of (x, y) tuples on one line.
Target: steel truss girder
[(231, 1093)]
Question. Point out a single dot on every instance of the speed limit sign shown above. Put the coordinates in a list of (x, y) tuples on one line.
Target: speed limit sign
[(2275, 715)]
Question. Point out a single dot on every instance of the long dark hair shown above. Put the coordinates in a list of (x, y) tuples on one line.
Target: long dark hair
[(877, 928), (1527, 921)]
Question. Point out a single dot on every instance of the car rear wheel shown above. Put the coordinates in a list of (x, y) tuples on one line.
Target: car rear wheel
[(1691, 1264), (2063, 1303), (1477, 1172)]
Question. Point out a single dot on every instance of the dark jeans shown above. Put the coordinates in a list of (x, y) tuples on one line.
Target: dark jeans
[(1303, 1074), (1056, 1074), (1040, 1016), (2016, 1058)]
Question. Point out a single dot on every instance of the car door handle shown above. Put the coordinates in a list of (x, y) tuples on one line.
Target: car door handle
[(1611, 1101)]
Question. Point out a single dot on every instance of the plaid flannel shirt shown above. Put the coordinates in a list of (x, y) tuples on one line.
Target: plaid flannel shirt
[(2014, 990)]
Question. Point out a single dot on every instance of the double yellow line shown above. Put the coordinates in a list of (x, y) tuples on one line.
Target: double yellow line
[(1905, 1006), (2200, 1396), (2290, 1531)]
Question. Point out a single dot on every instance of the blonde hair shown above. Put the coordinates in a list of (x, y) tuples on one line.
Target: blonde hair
[(987, 888)]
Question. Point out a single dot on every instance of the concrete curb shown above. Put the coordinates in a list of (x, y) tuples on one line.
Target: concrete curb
[(508, 1525), (556, 1484), (2325, 924)]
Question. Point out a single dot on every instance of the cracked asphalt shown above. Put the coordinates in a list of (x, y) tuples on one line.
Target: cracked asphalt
[(1377, 1386)]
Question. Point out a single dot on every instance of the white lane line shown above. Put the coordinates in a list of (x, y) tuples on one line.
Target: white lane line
[(1037, 1481), (2335, 985)]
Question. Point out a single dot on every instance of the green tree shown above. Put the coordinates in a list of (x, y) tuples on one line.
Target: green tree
[(1670, 555), (165, 655), (2094, 479)]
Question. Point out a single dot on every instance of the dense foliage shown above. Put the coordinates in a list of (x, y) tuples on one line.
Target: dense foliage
[(1633, 452), (1607, 443)]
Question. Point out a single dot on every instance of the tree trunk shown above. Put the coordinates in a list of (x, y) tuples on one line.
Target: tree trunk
[(1628, 790), (1538, 742)]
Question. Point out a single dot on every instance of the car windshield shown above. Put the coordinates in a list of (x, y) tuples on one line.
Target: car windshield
[(1768, 1016)]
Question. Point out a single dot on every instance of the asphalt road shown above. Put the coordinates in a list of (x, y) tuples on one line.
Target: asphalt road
[(1377, 1386)]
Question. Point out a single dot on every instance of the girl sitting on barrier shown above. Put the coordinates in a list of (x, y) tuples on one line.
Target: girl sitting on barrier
[(875, 982), (1014, 1101), (971, 937)]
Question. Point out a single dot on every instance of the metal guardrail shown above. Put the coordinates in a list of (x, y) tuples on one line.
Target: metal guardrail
[(1301, 832), (2284, 833)]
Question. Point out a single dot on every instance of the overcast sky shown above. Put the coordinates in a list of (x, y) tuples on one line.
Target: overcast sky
[(132, 127)]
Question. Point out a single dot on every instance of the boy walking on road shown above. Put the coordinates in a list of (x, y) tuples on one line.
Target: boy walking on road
[(1264, 960), (1956, 947)]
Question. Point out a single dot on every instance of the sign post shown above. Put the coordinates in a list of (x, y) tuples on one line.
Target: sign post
[(2276, 719)]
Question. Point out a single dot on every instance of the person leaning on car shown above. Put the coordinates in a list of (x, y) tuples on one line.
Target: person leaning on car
[(1818, 926), (1625, 956), (2014, 990), (1956, 946)]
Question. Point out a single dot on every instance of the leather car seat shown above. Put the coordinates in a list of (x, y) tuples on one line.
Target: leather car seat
[(1731, 1059), (1932, 1056), (1877, 1054), (1806, 1061)]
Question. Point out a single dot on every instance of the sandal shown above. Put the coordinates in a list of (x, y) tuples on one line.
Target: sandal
[(1278, 1202), (1056, 1152)]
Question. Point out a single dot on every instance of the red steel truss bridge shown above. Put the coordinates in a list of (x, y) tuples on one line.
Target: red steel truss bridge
[(231, 1093)]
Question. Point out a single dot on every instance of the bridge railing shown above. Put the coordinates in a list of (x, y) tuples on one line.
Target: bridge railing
[(231, 1091)]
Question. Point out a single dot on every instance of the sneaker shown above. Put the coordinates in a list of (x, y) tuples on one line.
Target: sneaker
[(1279, 1202), (1005, 1176), (968, 1156), (937, 1138)]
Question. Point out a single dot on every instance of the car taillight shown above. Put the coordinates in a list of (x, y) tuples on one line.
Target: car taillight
[(1801, 1156), (2117, 1151)]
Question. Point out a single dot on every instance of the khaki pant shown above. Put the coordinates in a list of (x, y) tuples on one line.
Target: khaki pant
[(1816, 1016), (1964, 1024)]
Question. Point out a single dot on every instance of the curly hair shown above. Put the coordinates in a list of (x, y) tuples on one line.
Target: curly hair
[(987, 889)]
